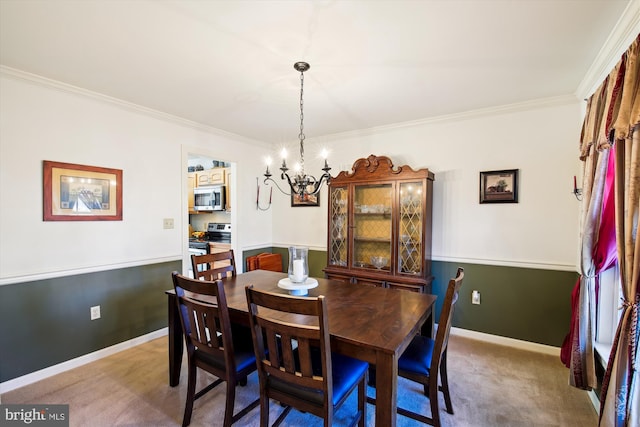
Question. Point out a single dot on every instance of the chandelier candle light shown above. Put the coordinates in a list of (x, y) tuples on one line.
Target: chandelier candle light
[(301, 183)]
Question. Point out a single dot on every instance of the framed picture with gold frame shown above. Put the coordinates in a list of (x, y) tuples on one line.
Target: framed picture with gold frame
[(306, 200), (81, 193)]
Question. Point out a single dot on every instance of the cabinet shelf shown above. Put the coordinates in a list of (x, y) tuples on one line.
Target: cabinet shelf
[(384, 214), (372, 239)]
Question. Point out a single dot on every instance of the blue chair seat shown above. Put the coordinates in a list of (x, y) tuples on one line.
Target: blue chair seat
[(417, 357), (244, 359), (345, 373), (242, 350)]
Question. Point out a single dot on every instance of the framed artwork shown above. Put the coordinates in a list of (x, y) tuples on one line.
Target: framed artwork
[(499, 186), (81, 193), (307, 200)]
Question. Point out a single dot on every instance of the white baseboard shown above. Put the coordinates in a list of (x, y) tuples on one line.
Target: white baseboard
[(78, 361), (511, 342)]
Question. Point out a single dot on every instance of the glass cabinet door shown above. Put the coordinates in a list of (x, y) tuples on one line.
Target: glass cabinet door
[(338, 222), (372, 223), (410, 228)]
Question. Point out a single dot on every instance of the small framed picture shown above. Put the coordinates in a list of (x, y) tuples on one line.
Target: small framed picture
[(499, 186), (306, 200), (81, 193)]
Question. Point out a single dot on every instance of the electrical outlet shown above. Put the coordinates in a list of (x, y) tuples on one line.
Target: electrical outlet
[(95, 312), (167, 223), (475, 297)]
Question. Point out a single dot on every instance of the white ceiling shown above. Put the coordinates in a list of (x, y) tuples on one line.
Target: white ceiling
[(229, 64)]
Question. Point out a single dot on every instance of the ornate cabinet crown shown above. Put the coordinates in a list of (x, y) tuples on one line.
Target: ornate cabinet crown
[(379, 230)]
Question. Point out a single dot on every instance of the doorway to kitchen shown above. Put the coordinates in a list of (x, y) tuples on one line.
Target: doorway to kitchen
[(210, 195)]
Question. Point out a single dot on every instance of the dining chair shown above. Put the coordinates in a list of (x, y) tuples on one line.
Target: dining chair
[(265, 261), (425, 357), (214, 266), (211, 344), (295, 364)]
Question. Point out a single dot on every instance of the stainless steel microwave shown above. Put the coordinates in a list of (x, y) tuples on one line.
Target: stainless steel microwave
[(209, 198)]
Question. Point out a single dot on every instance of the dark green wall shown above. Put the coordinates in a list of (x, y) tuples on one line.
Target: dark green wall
[(522, 303), (47, 322)]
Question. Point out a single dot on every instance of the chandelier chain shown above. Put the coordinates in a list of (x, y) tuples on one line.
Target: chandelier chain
[(302, 185), (301, 135)]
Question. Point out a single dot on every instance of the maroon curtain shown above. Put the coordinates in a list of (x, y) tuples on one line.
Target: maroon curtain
[(605, 256)]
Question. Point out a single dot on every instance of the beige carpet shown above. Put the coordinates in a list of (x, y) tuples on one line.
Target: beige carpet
[(491, 385)]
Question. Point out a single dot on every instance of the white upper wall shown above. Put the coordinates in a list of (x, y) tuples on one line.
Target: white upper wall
[(539, 138), (43, 120)]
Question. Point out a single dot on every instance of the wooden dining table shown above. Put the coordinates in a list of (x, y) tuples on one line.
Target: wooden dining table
[(369, 323)]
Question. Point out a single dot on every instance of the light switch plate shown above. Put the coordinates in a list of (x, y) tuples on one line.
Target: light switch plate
[(95, 312)]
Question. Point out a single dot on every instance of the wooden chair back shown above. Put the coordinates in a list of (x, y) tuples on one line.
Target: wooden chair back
[(207, 328), (413, 362), (214, 266), (205, 318), (446, 316), (265, 261), (283, 365)]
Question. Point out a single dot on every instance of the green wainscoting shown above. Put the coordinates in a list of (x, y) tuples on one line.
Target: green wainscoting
[(47, 322), (523, 303)]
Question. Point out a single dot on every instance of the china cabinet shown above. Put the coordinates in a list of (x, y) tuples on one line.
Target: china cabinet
[(379, 225)]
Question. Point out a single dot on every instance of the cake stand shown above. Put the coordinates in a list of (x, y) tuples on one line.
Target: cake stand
[(298, 288)]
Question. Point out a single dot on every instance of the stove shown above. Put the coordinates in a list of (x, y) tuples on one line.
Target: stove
[(201, 245), (216, 233)]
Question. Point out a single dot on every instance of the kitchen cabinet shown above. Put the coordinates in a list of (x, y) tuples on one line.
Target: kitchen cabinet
[(191, 183), (227, 180), (215, 248), (379, 225), (213, 176)]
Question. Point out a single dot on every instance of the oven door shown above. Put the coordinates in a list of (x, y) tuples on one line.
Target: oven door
[(195, 251)]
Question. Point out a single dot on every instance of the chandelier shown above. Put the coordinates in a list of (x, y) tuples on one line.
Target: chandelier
[(300, 183)]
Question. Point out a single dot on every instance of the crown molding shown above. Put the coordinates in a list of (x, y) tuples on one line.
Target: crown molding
[(64, 87), (456, 117), (623, 34)]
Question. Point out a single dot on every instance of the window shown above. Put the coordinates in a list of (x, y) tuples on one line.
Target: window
[(608, 313)]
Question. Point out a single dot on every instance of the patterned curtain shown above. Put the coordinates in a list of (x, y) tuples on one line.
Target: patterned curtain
[(610, 148), (598, 247), (581, 360), (620, 397)]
